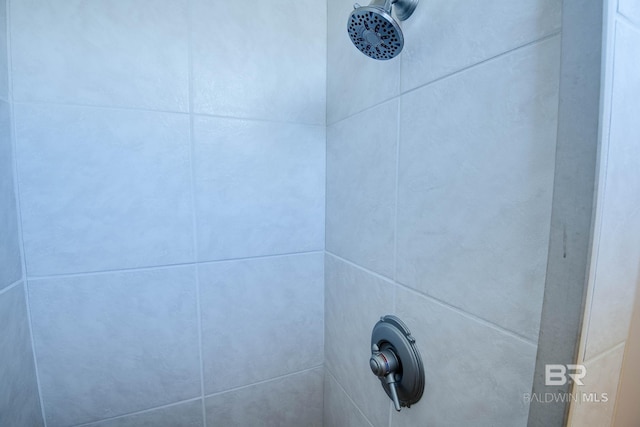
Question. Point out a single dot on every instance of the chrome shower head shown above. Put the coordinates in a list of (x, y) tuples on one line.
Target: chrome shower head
[(375, 32)]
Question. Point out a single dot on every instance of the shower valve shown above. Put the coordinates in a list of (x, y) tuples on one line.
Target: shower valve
[(384, 364), (395, 360)]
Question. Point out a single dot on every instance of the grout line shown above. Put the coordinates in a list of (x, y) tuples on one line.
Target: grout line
[(444, 304), (130, 414), (16, 191), (454, 73), (395, 211), (364, 110), (260, 120), (326, 185), (200, 351), (326, 196), (397, 191), (110, 271), (286, 254), (490, 59), (194, 213), (326, 65), (472, 316), (353, 264), (100, 107), (14, 143), (605, 353), (11, 286), (161, 111), (335, 379), (167, 266), (622, 17), (34, 353), (291, 374)]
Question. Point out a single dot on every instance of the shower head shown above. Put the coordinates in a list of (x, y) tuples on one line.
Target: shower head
[(375, 32)]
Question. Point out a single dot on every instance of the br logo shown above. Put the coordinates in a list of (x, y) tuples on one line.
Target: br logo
[(557, 374)]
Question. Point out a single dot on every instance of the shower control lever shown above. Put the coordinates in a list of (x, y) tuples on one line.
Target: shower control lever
[(384, 365), (395, 360)]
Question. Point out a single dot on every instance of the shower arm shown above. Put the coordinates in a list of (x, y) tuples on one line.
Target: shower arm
[(404, 8), (383, 4)]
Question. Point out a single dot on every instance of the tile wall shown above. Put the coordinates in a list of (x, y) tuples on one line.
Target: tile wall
[(169, 186), (440, 168), (172, 180), (19, 398)]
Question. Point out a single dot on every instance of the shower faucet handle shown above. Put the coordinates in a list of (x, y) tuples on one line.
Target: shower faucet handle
[(396, 362), (384, 364), (394, 396)]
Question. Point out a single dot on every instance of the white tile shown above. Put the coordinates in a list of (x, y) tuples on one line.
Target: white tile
[(618, 268), (339, 411), (292, 401), (261, 318), (19, 399), (103, 189), (105, 52), (361, 186), (187, 414), (630, 9), (4, 58), (354, 81), (10, 259), (354, 301), (475, 375), (444, 37), (598, 395), (259, 188), (476, 174), (260, 60), (115, 343)]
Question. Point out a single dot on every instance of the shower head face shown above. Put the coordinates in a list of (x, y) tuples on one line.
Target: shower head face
[(375, 33)]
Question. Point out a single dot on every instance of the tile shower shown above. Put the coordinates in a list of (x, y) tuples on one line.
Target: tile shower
[(171, 195), (207, 205)]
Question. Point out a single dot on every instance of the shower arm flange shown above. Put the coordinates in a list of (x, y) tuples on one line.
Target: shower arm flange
[(404, 8)]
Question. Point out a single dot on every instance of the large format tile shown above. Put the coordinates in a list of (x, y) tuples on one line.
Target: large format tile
[(19, 399), (339, 411), (261, 318), (104, 52), (618, 254), (113, 343), (292, 401), (354, 301), (475, 184), (598, 394), (259, 188), (10, 260), (264, 60), (630, 9), (354, 81), (361, 185), (443, 37), (187, 414), (4, 58), (475, 375), (103, 189)]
